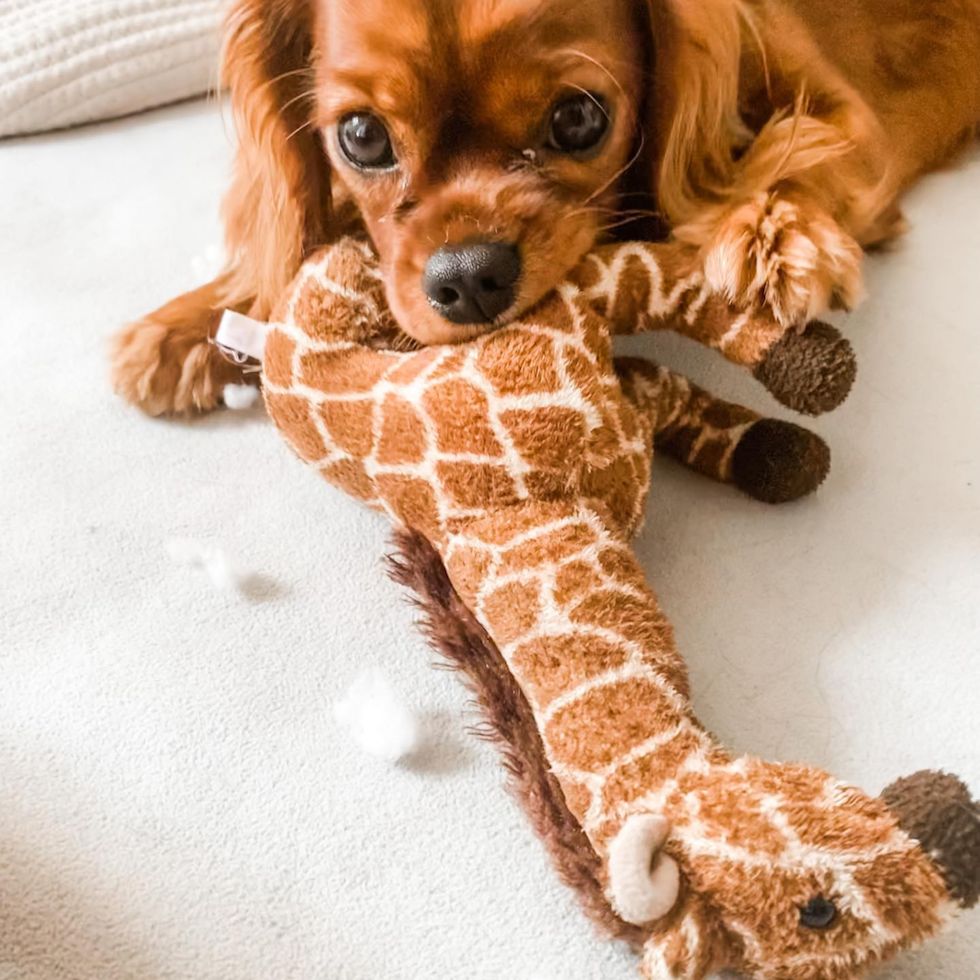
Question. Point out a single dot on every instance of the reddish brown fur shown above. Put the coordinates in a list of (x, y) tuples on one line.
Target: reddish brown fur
[(775, 135)]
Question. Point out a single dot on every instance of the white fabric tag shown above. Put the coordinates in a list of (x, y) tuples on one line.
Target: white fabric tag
[(241, 335)]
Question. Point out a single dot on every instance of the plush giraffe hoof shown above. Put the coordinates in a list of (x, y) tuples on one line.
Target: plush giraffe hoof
[(777, 462), (810, 372)]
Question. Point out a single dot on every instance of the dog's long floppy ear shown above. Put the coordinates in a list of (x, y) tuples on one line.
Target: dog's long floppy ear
[(279, 203), (692, 115)]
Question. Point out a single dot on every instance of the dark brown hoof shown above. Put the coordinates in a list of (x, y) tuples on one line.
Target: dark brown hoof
[(935, 808), (777, 462), (810, 372)]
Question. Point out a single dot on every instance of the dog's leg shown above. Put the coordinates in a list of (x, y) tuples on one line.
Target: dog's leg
[(780, 249), (770, 460), (807, 195), (785, 225), (166, 362)]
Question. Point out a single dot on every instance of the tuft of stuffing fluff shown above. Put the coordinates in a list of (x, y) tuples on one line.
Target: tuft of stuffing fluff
[(209, 263), (240, 397), (377, 717), (221, 570)]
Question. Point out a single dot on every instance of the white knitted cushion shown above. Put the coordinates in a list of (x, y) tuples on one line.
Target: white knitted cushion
[(64, 62)]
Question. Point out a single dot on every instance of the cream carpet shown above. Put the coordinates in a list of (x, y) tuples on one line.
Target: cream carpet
[(176, 801)]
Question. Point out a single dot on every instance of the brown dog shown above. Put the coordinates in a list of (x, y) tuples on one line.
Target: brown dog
[(487, 144)]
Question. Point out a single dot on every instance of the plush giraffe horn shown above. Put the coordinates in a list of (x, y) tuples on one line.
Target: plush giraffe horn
[(643, 882)]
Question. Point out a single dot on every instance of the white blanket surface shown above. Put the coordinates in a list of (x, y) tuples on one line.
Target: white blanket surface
[(64, 62), (177, 801)]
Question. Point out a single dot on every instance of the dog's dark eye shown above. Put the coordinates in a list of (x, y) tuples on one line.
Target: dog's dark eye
[(578, 123), (365, 141), (818, 913)]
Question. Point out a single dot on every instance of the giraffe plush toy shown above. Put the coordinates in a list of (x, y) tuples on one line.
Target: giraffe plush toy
[(517, 466)]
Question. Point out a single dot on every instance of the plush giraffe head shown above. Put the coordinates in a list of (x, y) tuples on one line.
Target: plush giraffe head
[(787, 874), (524, 457)]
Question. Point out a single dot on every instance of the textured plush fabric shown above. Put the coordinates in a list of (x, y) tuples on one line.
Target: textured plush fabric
[(178, 803), (536, 411), (524, 457), (64, 62)]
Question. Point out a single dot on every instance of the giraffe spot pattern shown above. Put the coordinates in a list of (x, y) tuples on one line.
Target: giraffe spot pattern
[(412, 366), (292, 412), (626, 712), (511, 610), (517, 364), (403, 436), (576, 579), (350, 424), (460, 413), (555, 664), (633, 295), (643, 623), (578, 799), (546, 437), (546, 549), (351, 370), (547, 483), (412, 501), (473, 485), (538, 548), (278, 363), (648, 772), (350, 476), (467, 568)]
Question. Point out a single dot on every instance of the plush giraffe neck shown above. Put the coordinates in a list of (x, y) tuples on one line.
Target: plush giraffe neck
[(558, 588), (518, 455), (524, 457)]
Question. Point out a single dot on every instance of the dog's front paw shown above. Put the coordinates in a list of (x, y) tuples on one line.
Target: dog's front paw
[(786, 253), (168, 368)]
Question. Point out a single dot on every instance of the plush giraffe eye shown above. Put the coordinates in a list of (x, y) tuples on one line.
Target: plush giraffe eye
[(818, 913)]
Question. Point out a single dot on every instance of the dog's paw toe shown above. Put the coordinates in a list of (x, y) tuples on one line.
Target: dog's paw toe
[(787, 254), (166, 371)]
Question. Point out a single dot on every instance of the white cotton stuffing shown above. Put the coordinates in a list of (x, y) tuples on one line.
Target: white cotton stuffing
[(377, 717), (221, 570), (209, 263), (240, 397)]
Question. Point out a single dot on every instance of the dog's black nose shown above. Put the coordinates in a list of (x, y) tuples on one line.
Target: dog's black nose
[(472, 283)]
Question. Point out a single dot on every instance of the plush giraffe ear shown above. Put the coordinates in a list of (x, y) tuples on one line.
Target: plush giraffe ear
[(683, 950), (643, 882)]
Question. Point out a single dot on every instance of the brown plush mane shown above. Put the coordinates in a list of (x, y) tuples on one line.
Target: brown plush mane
[(507, 721)]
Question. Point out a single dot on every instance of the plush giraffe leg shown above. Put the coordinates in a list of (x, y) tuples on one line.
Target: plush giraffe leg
[(642, 286), (769, 459)]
